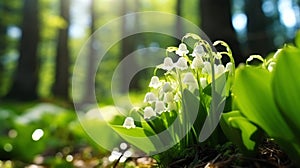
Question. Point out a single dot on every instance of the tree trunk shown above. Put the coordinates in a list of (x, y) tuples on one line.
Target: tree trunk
[(259, 40), (61, 84), (127, 46), (216, 24), (91, 60), (179, 27), (3, 43), (26, 77)]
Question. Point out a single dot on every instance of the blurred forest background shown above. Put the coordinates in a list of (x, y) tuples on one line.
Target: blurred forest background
[(40, 39)]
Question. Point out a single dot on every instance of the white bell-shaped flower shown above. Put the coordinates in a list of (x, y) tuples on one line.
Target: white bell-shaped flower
[(149, 112), (167, 87), (198, 51), (150, 97), (190, 81), (171, 106), (129, 123), (189, 78), (155, 82), (177, 97), (197, 63), (167, 65), (271, 66), (182, 50), (219, 69), (206, 68), (181, 63), (160, 107), (229, 67), (168, 97), (203, 82)]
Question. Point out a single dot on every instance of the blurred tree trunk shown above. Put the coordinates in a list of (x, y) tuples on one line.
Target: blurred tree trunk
[(25, 81), (61, 83), (179, 27), (128, 45), (91, 60), (3, 41), (259, 39), (216, 24)]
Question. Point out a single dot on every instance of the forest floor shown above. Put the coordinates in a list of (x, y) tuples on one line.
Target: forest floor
[(78, 153), (269, 156)]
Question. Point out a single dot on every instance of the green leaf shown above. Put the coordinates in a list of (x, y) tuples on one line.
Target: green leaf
[(101, 133), (286, 86), (168, 118), (239, 130), (134, 132), (190, 109), (216, 107), (147, 126), (157, 124), (252, 91), (139, 137), (202, 114), (221, 85)]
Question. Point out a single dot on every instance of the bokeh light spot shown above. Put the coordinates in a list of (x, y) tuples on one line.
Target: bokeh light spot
[(37, 134)]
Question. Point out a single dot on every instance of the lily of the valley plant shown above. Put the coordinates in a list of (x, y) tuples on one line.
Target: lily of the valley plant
[(187, 89), (179, 96)]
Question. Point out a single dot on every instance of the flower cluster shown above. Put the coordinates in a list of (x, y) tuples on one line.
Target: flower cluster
[(193, 71), (161, 98)]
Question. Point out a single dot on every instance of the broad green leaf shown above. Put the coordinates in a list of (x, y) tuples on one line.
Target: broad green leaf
[(162, 123), (139, 137), (182, 128), (190, 109), (202, 114), (239, 130), (216, 107), (134, 132), (221, 85), (286, 86), (252, 91), (156, 126), (147, 127), (101, 133), (168, 118)]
